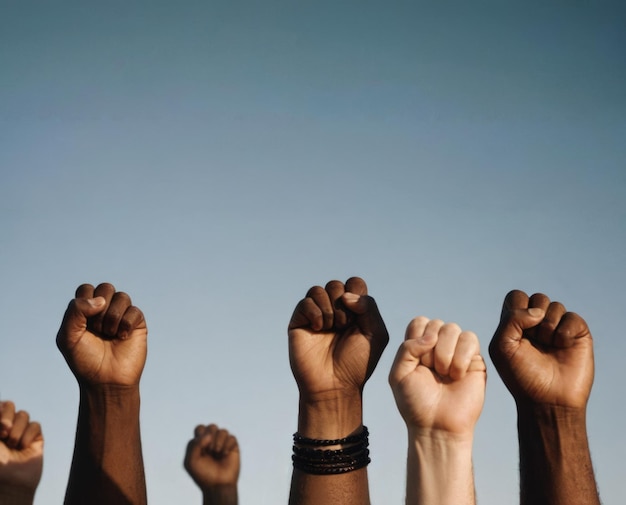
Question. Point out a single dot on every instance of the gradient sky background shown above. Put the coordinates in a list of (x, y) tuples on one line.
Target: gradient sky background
[(216, 159)]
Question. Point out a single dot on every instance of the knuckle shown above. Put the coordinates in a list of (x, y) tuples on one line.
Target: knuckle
[(451, 328), (315, 291), (468, 337), (418, 321)]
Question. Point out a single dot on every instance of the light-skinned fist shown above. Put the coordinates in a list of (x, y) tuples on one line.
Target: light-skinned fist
[(438, 378)]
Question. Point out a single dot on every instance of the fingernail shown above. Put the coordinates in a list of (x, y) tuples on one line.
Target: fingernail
[(96, 302), (535, 312), (351, 297)]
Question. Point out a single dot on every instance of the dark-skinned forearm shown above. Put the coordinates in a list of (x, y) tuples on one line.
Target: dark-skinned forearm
[(555, 463), (108, 465), (330, 419), (220, 495), (12, 495)]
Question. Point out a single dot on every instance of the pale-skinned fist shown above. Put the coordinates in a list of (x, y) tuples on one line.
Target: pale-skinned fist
[(438, 378)]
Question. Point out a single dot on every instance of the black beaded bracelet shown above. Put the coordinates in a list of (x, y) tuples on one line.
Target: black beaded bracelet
[(308, 458), (331, 467)]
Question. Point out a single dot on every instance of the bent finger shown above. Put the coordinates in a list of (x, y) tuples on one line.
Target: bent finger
[(416, 327), (340, 318), (445, 348), (221, 438), (114, 314), (232, 445), (307, 315), (132, 320), (544, 331), (410, 355), (571, 330), (7, 414), (106, 291), (31, 434), (467, 348), (20, 422)]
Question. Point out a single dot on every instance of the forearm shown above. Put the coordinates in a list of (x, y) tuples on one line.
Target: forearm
[(555, 463), (330, 419), (220, 495), (439, 470), (15, 495), (108, 465)]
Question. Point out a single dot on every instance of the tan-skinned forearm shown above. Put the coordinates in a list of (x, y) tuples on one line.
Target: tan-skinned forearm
[(555, 463), (108, 465), (330, 419)]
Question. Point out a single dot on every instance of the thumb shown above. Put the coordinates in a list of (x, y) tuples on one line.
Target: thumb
[(412, 352), (74, 322)]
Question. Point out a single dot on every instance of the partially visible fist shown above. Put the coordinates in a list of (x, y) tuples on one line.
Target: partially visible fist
[(21, 448)]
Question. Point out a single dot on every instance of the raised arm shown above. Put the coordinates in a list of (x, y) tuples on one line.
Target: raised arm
[(336, 337), (438, 381), (103, 338), (544, 355), (212, 461), (21, 456)]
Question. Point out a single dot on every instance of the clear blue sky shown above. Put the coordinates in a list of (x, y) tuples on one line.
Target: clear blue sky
[(216, 159)]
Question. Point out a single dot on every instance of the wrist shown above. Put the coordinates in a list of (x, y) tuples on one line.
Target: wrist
[(439, 469), (551, 428), (224, 494), (546, 425), (431, 436), (550, 414), (553, 446), (439, 447), (16, 495), (108, 422), (331, 417), (111, 397), (108, 390)]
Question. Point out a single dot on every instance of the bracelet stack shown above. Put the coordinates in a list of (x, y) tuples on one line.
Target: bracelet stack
[(315, 456)]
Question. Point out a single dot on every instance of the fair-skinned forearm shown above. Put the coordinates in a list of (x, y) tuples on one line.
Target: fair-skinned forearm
[(108, 465), (330, 419), (555, 463), (439, 469)]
